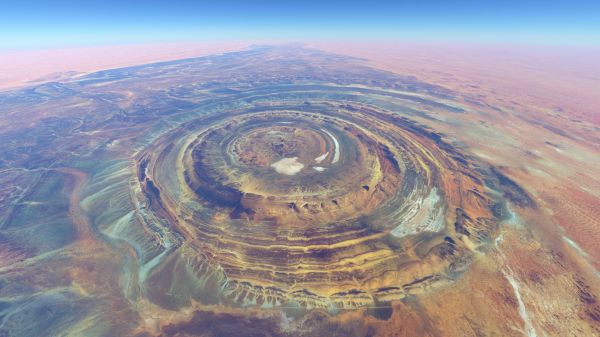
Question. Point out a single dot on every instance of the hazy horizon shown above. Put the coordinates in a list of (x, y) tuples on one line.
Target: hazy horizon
[(60, 24), (300, 168)]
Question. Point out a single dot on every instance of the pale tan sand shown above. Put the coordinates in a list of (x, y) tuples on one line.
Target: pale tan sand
[(22, 68), (559, 77)]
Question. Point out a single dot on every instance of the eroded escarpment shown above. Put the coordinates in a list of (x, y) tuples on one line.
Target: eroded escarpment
[(320, 205)]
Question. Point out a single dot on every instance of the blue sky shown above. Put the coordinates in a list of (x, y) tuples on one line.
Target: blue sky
[(32, 24)]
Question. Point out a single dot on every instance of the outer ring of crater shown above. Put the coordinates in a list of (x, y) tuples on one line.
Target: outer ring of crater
[(403, 263)]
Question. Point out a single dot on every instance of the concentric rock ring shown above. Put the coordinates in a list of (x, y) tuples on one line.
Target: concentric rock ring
[(295, 172), (322, 204)]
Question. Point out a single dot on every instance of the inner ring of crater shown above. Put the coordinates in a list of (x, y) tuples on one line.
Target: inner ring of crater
[(294, 171), (274, 156), (286, 149)]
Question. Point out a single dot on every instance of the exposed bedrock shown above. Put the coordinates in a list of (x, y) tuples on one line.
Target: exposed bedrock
[(320, 205)]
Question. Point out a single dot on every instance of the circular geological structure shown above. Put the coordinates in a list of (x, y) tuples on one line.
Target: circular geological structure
[(284, 191), (327, 203)]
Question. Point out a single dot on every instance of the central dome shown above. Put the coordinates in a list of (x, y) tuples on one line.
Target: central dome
[(282, 145)]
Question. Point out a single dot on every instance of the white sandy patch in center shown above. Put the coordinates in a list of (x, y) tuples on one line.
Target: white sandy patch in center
[(321, 157), (336, 150), (288, 166)]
